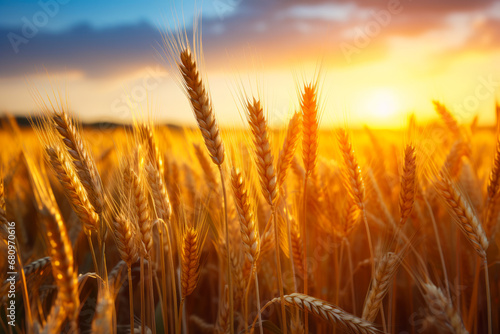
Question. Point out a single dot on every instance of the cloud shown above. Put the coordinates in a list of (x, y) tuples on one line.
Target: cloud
[(276, 31), (95, 52)]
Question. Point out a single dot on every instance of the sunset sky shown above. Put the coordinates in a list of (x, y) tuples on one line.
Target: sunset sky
[(379, 60)]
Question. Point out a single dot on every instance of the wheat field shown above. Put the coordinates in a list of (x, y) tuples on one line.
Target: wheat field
[(150, 228)]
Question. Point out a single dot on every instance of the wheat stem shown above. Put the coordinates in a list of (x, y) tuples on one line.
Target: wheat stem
[(143, 304), (278, 269), (229, 278), (131, 297), (488, 295), (440, 249), (304, 241)]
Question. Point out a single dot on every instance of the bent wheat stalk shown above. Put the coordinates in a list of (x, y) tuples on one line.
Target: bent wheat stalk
[(328, 312), (469, 224), (353, 182)]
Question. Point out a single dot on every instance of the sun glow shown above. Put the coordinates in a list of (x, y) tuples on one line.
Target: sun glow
[(379, 107), (381, 104)]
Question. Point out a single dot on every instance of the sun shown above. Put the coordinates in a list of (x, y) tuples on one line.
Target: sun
[(377, 107), (381, 103)]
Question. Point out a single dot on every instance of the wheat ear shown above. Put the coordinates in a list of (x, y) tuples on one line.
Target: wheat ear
[(73, 188), (454, 158), (463, 213), (37, 267), (82, 159), (126, 242), (202, 106), (263, 156), (309, 107), (447, 117), (352, 172), (190, 265), (329, 312), (148, 135), (190, 261), (289, 146), (297, 246), (142, 211), (492, 190), (442, 309), (248, 226), (384, 273), (408, 184), (159, 193)]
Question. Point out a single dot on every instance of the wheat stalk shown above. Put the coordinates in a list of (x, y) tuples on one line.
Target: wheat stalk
[(267, 175), (163, 212), (310, 143), (207, 123), (206, 167)]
